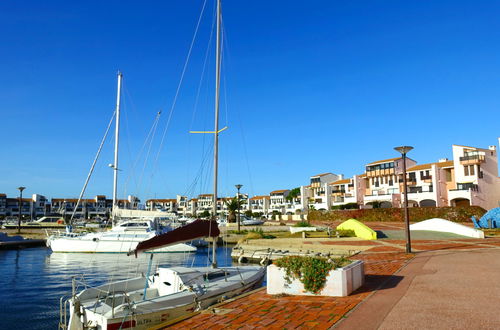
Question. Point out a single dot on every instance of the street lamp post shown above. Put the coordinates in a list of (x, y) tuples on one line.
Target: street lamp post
[(404, 150), (20, 207), (238, 186)]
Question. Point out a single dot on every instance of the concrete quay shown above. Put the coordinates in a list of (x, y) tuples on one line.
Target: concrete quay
[(445, 283), (259, 250)]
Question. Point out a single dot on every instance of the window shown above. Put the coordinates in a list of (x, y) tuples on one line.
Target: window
[(412, 176), (448, 176), (471, 169), (466, 170)]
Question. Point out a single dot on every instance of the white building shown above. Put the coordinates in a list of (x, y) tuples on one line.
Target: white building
[(475, 177), (382, 181), (277, 201), (319, 194), (259, 204)]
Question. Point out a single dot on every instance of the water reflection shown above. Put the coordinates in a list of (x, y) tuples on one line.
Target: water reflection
[(33, 280)]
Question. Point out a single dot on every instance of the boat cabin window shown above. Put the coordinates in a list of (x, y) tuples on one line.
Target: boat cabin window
[(134, 224)]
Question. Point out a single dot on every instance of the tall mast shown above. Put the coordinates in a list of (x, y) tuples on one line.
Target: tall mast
[(216, 130), (117, 136)]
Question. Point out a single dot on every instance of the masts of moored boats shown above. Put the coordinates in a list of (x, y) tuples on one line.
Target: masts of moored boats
[(216, 130), (117, 135)]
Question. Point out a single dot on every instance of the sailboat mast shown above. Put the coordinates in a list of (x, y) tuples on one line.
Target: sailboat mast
[(216, 130), (117, 136)]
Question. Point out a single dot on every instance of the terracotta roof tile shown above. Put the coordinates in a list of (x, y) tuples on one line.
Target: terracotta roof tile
[(322, 174), (384, 161), (259, 197), (278, 191), (341, 182)]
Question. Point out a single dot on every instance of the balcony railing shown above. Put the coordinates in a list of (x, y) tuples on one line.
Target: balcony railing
[(472, 158), (417, 190), (466, 186)]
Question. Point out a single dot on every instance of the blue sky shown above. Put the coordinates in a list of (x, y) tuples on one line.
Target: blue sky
[(308, 87)]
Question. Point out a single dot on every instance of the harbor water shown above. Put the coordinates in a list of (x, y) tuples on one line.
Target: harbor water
[(33, 280)]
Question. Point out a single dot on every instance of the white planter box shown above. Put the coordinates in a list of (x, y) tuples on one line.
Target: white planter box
[(339, 283), (294, 230)]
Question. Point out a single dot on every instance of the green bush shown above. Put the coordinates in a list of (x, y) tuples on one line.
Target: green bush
[(348, 206), (302, 224), (456, 214), (258, 233)]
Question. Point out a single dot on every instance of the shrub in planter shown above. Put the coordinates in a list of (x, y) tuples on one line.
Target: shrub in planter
[(311, 271)]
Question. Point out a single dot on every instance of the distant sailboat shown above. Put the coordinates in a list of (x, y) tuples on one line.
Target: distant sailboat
[(168, 293), (125, 235)]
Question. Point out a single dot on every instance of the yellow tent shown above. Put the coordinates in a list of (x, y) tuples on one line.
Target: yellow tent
[(360, 229)]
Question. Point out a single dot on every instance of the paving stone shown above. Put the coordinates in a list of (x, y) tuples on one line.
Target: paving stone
[(262, 311)]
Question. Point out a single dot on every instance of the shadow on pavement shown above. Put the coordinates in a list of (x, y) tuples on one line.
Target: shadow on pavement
[(379, 282), (380, 234)]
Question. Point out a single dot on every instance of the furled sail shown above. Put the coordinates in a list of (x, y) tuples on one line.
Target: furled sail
[(196, 229)]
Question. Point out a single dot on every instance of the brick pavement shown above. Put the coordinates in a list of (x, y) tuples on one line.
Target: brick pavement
[(262, 311)]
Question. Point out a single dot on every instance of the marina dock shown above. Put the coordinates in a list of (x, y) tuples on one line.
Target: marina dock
[(386, 295)]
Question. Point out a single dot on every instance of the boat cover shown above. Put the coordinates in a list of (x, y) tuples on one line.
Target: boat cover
[(196, 229)]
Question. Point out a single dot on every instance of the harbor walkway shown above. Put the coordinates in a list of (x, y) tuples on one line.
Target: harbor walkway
[(438, 286)]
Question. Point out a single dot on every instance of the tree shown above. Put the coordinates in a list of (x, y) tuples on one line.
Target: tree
[(232, 206), (205, 214), (294, 193)]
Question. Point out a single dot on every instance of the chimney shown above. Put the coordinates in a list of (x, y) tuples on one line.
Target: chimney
[(442, 160), (492, 148)]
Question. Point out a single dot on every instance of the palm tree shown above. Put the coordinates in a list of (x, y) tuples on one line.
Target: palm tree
[(233, 205)]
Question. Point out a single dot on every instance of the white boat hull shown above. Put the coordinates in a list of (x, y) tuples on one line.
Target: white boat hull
[(121, 239), (121, 305), (75, 245)]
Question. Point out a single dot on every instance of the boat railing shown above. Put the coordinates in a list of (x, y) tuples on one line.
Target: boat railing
[(63, 313)]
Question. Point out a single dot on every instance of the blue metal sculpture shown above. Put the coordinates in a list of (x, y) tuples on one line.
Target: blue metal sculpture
[(490, 219)]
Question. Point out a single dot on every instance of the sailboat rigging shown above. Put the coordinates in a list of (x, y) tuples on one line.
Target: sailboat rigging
[(173, 292), (124, 235)]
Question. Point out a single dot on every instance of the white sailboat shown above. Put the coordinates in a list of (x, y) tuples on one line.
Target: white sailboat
[(125, 235), (168, 293)]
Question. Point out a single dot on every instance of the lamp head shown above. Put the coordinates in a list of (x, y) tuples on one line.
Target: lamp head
[(238, 186), (21, 188), (403, 149)]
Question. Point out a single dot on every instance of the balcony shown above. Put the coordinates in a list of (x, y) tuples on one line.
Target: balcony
[(380, 172), (420, 189), (338, 191), (466, 186), (472, 159)]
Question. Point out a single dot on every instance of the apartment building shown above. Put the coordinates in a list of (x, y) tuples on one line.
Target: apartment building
[(259, 204), (295, 205), (205, 203), (318, 193), (182, 204), (348, 191), (475, 180), (277, 200), (382, 181), (427, 183), (192, 206), (34, 207), (165, 205), (3, 205), (99, 206)]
